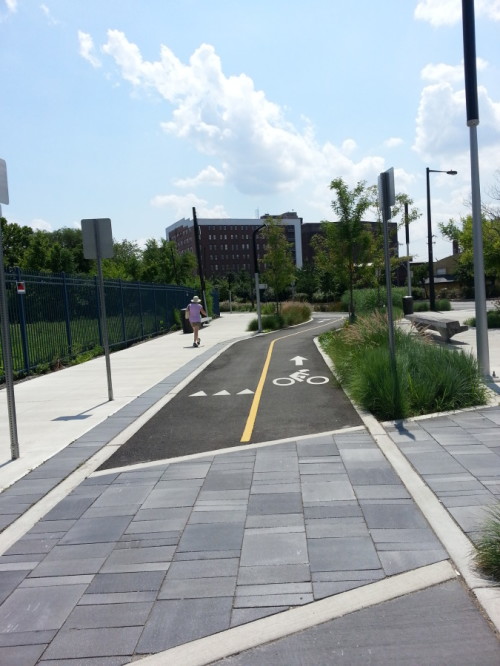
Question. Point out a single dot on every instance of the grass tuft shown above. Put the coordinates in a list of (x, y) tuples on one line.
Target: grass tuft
[(487, 557)]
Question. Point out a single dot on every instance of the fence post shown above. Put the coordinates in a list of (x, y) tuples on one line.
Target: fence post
[(22, 324), (124, 328), (157, 327), (67, 317), (140, 312)]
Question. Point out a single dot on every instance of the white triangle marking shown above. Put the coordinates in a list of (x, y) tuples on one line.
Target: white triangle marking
[(222, 393), (198, 395), (245, 392)]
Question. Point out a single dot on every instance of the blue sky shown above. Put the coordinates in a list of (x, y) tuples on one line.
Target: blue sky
[(138, 110)]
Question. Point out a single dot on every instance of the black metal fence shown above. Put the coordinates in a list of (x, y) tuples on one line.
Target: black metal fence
[(56, 316)]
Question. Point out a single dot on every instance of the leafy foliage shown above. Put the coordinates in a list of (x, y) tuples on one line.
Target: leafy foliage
[(428, 378), (62, 251), (280, 268)]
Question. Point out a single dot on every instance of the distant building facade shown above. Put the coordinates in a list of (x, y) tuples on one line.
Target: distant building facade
[(226, 244)]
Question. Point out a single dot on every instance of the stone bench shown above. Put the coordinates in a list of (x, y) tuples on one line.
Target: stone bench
[(445, 326)]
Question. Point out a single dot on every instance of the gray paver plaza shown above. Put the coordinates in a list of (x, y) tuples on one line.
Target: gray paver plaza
[(178, 551), (271, 540)]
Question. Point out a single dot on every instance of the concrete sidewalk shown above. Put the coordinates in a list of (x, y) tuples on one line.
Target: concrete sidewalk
[(56, 409), (352, 545)]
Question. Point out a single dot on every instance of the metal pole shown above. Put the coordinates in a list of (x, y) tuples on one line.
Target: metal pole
[(198, 257), (472, 109), (7, 355), (256, 277), (432, 293), (407, 230), (102, 305), (482, 343)]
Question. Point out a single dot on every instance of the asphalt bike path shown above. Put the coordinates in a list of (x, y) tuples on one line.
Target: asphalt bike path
[(267, 388)]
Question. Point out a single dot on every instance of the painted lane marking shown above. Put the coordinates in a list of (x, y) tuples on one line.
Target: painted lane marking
[(299, 360), (247, 432), (202, 394)]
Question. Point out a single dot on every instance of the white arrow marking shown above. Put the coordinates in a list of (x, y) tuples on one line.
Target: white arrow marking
[(200, 394), (222, 393), (245, 392), (299, 360)]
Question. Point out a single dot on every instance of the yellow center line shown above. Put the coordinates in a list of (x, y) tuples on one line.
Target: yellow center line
[(252, 415)]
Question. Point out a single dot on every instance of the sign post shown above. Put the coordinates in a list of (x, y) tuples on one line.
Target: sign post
[(387, 198), (98, 244), (4, 317)]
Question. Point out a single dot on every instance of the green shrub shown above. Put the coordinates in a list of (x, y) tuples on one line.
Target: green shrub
[(368, 300), (268, 308), (336, 306), (290, 315), (492, 317), (270, 322), (443, 305), (428, 378), (487, 556), (236, 306), (295, 313), (420, 306)]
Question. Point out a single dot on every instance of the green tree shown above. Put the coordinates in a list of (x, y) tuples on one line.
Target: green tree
[(161, 263), (16, 240), (420, 275), (462, 233), (280, 269), (70, 239), (403, 201), (347, 244), (37, 254), (60, 259), (243, 286), (125, 264), (307, 280)]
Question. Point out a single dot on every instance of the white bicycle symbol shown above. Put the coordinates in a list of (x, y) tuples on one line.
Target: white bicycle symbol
[(299, 376)]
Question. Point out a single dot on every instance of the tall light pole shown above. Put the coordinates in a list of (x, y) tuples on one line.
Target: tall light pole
[(472, 108), (256, 276), (432, 293)]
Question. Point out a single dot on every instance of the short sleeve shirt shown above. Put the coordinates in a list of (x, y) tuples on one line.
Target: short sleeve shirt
[(194, 312)]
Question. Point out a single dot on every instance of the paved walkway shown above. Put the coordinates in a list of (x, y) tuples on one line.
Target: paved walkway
[(301, 551)]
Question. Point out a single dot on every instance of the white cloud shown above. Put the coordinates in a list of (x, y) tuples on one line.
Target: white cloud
[(451, 73), (260, 152), (349, 146), (449, 12), (441, 130), (51, 20), (179, 204), (86, 49), (208, 176), (11, 6), (393, 142), (40, 225)]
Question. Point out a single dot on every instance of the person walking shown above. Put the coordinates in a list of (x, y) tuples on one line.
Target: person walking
[(194, 311)]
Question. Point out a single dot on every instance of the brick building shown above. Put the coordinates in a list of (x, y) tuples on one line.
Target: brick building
[(226, 244)]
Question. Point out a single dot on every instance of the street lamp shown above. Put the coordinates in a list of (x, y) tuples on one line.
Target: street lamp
[(256, 275), (432, 293)]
